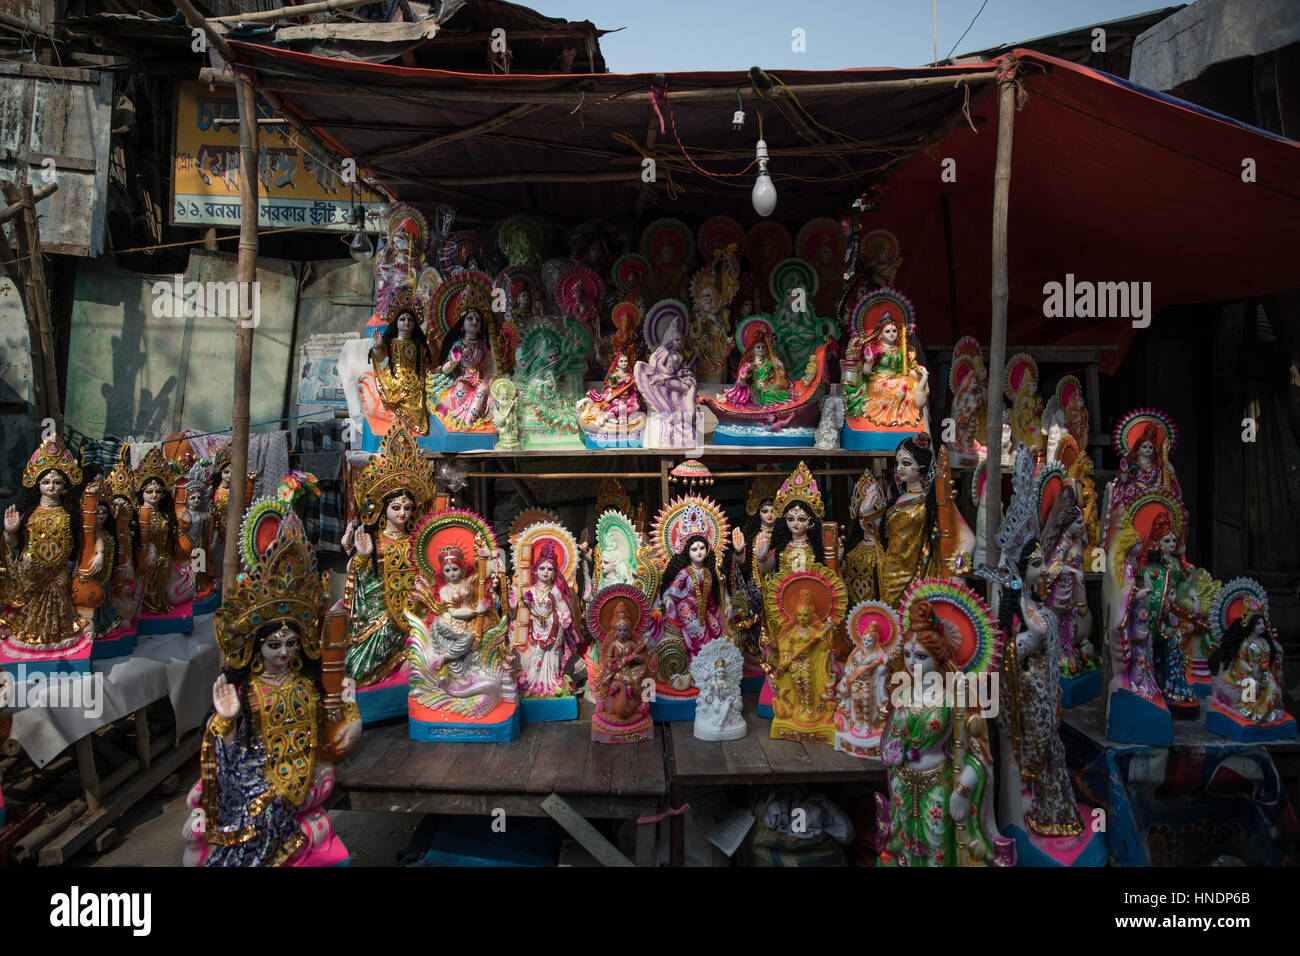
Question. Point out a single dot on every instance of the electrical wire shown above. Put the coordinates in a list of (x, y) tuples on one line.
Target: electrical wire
[(964, 32)]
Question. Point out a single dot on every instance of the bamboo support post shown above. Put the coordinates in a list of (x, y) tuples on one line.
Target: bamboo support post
[(30, 845), (13, 209), (289, 13), (998, 332)]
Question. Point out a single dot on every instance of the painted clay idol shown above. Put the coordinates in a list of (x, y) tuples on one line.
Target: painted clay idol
[(1064, 547), (805, 605), (544, 601), (400, 359), (885, 386), (168, 577), (692, 606), (719, 713), (1169, 578), (1066, 413), (612, 416), (748, 569), (548, 415), (522, 289), (392, 494), (866, 508), (1020, 385), (1197, 633), (1078, 467), (968, 380), (670, 248), (799, 330), (766, 244), (623, 672), (863, 691), (458, 386), (198, 529), (521, 241), (463, 668), (580, 294), (1037, 802), (881, 254), (401, 260), (38, 620), (266, 765), (1136, 709), (820, 243), (1144, 440), (667, 380), (766, 406), (939, 811), (712, 290), (1247, 665)]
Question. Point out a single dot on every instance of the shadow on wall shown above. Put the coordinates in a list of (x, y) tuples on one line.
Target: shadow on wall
[(127, 413)]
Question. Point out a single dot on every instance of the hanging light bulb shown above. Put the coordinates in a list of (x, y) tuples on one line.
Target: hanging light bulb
[(359, 247), (764, 194)]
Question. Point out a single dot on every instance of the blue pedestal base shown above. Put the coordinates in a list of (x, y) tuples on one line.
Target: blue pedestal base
[(539, 710), (470, 731), (855, 440), (1081, 689), (766, 712), (598, 442), (1135, 720), (382, 702), (44, 670), (758, 436), (209, 604), (438, 439), (119, 645), (149, 625), (668, 709), (1202, 688), (1217, 722), (1095, 852)]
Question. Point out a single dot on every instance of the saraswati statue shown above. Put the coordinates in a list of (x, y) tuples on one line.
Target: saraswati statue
[(400, 359), (463, 667), (886, 388), (459, 386), (546, 613), (266, 764), (667, 380), (1247, 664)]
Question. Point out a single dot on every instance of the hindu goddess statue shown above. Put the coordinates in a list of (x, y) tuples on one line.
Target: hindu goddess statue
[(1168, 576), (168, 581), (866, 506), (1247, 666), (761, 379), (939, 811), (1143, 439), (266, 764), (863, 690), (391, 494), (909, 540), (546, 608), (667, 381), (805, 607), (460, 389), (614, 409), (616, 615), (1064, 546), (883, 382), (1020, 385), (36, 610), (400, 357)]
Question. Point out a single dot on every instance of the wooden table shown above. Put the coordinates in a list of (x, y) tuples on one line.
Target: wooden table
[(550, 761), (753, 759)]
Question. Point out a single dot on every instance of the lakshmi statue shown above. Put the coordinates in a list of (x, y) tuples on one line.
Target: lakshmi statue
[(1064, 547), (463, 682), (1247, 697), (761, 378), (719, 712), (1030, 692), (1025, 420), (884, 384), (545, 605), (1136, 708), (459, 389), (805, 608), (866, 507), (612, 416), (400, 358), (939, 811), (691, 605), (968, 380), (1143, 439), (168, 580), (667, 380), (615, 617), (392, 493), (863, 690), (37, 616), (267, 755)]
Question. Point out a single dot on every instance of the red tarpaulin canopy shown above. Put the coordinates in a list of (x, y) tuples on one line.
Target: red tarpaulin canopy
[(1109, 183)]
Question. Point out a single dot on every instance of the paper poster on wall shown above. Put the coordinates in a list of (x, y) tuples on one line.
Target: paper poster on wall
[(318, 369), (293, 189)]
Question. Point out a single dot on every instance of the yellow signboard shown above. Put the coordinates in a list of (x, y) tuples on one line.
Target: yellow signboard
[(294, 187)]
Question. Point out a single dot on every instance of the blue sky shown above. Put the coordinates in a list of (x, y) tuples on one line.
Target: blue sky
[(674, 35)]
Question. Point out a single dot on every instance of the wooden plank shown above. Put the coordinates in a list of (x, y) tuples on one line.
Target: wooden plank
[(598, 774), (691, 756), (744, 755), (510, 765), (574, 743), (596, 807), (577, 826), (464, 770), (549, 757), (355, 769), (783, 756), (429, 764), (650, 776), (86, 770)]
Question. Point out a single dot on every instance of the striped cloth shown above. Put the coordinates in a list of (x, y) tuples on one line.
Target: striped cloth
[(319, 450)]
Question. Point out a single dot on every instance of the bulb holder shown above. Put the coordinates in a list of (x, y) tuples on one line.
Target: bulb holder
[(738, 120)]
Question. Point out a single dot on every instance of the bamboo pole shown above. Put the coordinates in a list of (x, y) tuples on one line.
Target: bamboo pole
[(998, 332), (37, 303), (14, 209), (289, 13)]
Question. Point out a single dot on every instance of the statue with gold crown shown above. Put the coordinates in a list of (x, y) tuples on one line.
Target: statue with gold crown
[(400, 359), (219, 510), (748, 571), (168, 577), (940, 806), (805, 603), (459, 385), (886, 388), (392, 493), (866, 507), (38, 621), (1246, 701), (464, 668), (116, 618), (691, 606), (267, 758)]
